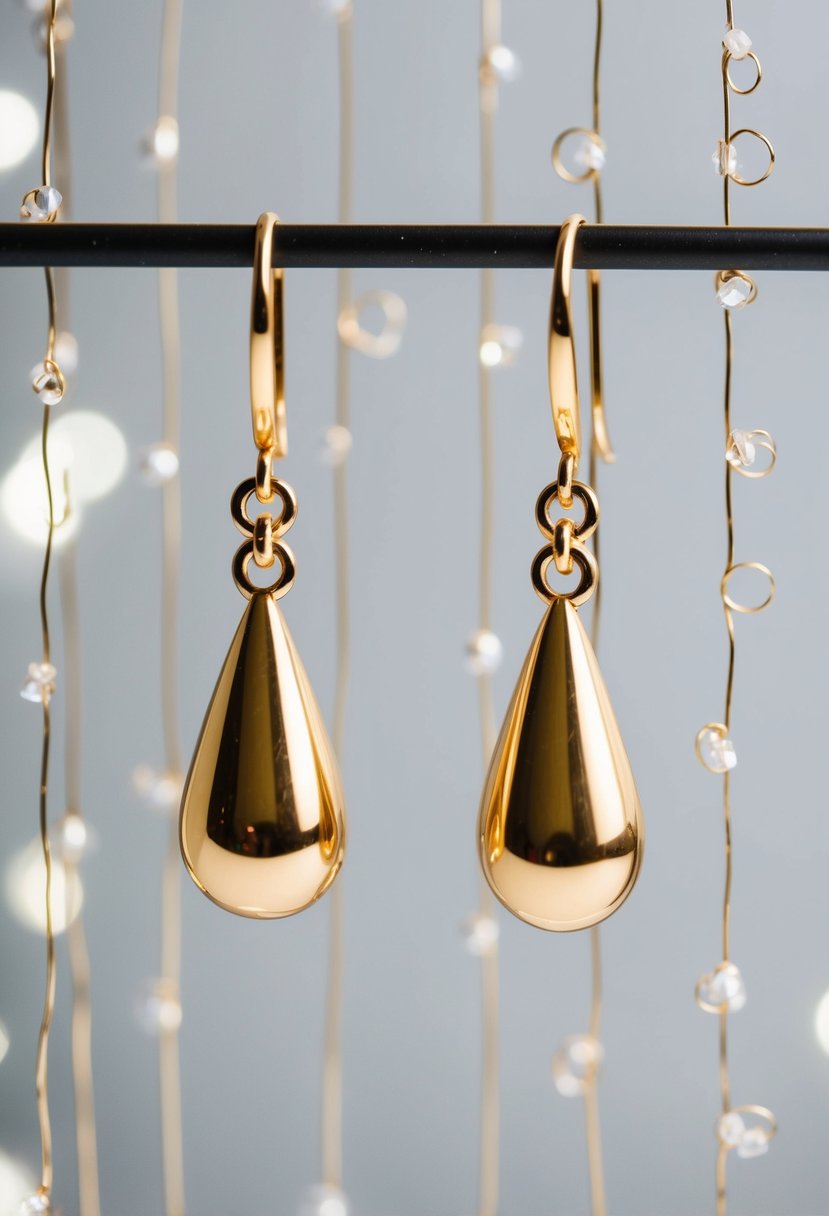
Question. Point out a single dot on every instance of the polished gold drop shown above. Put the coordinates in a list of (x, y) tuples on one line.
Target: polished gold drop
[(560, 824), (262, 816)]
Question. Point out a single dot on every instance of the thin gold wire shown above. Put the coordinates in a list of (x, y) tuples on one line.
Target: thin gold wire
[(730, 606), (332, 1073), (42, 1055), (168, 310), (490, 1116)]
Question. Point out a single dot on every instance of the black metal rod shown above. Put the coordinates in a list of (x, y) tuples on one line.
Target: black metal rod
[(462, 246)]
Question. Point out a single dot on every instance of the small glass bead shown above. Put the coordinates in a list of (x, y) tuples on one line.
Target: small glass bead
[(161, 791), (323, 1200), (73, 836), (735, 292), (731, 1128), (590, 154), (725, 158), (500, 345), (480, 935), (40, 683), (503, 63), (41, 204), (737, 43), (723, 989), (337, 444), (66, 352), (715, 751), (161, 1010), (48, 382), (575, 1062), (158, 464), (162, 143), (37, 1203), (741, 451), (755, 1143), (484, 652)]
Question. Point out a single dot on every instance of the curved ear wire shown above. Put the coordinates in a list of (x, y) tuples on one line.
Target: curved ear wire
[(561, 348), (267, 350)]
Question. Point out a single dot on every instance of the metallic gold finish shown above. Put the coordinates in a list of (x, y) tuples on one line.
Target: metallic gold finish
[(726, 276), (562, 541), (588, 570), (717, 728), (560, 826), (601, 438), (735, 605), (264, 544), (753, 86), (558, 164), (742, 181), (561, 349), (564, 483), (262, 825), (552, 493), (760, 439), (267, 351)]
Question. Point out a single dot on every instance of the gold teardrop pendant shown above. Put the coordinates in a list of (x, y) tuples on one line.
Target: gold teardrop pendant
[(262, 817), (561, 832)]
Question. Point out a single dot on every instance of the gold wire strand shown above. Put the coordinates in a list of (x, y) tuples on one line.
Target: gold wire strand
[(172, 1148), (332, 1073), (42, 1054), (488, 1183)]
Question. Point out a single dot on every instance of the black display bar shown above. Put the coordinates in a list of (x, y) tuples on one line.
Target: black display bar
[(460, 246)]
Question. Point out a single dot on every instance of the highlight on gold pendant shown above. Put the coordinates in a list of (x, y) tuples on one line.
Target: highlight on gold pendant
[(560, 826), (262, 826)]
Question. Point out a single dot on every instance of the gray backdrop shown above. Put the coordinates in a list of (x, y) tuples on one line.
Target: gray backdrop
[(259, 130)]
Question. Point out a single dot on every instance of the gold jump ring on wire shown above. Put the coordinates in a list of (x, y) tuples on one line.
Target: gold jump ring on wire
[(558, 164), (241, 560), (586, 563), (742, 181), (586, 496), (746, 609), (730, 82), (281, 522)]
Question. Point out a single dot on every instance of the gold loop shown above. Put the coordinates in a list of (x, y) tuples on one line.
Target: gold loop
[(760, 1112), (280, 523), (586, 496), (727, 276), (264, 475), (742, 92), (561, 350), (746, 609), (267, 343), (564, 485), (562, 546), (376, 346), (263, 541), (766, 442), (282, 585), (716, 728), (558, 164), (586, 585), (741, 181)]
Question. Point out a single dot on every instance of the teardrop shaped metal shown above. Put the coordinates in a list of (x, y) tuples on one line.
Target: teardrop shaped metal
[(561, 831), (262, 826)]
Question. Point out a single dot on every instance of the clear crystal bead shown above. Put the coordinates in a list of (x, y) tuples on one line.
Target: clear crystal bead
[(575, 1062), (731, 1128), (503, 63), (162, 143), (40, 683), (500, 345), (160, 790), (323, 1200), (723, 989), (41, 204), (590, 153), (724, 158), (73, 836), (337, 444), (66, 352), (737, 43), (48, 382), (754, 1142), (161, 1011), (159, 463), (480, 935), (483, 652), (735, 292), (716, 751), (35, 1204), (741, 451)]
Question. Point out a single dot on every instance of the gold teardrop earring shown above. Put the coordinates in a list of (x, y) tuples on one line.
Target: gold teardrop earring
[(560, 825), (262, 824)]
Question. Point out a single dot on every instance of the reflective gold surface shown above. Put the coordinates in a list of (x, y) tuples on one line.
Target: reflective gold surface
[(560, 827), (561, 350), (262, 817)]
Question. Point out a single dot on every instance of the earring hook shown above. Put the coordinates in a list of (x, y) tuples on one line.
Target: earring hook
[(561, 349), (267, 347)]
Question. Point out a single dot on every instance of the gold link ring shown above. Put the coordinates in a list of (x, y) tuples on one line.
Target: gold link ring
[(284, 582), (280, 523), (552, 493), (586, 585), (562, 546), (263, 541)]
